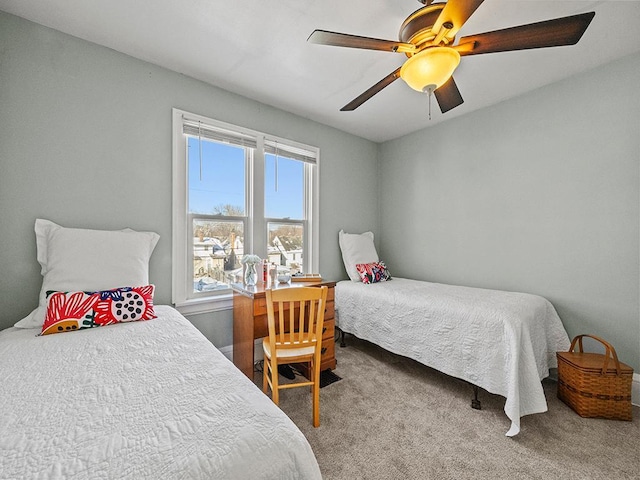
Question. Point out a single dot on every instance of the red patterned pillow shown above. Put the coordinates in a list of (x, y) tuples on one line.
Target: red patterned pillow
[(373, 272), (68, 311)]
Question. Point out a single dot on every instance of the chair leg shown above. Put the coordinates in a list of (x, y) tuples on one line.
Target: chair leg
[(316, 393), (265, 368), (275, 391)]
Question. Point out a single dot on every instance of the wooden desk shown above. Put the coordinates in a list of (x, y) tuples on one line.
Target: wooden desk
[(250, 322)]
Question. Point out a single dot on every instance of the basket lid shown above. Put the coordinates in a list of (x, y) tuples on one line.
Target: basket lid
[(592, 362)]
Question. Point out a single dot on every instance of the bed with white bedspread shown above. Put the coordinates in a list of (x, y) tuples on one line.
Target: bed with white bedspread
[(504, 342), (150, 399)]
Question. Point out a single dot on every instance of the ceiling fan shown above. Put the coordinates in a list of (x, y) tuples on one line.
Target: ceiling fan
[(427, 38)]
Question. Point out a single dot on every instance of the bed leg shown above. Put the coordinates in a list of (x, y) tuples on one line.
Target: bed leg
[(475, 403), (342, 342)]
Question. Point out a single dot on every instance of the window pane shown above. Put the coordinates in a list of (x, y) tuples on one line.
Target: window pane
[(217, 250), (284, 188), (216, 178), (286, 245)]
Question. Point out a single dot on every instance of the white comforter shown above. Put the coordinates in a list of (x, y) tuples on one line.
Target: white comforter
[(504, 342), (144, 400)]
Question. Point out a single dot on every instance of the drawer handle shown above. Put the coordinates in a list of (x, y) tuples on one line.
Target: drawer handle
[(324, 329), (323, 350)]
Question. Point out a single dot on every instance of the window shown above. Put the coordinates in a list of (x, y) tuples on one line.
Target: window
[(235, 192)]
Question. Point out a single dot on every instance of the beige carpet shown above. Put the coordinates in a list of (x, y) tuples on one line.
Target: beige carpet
[(392, 418)]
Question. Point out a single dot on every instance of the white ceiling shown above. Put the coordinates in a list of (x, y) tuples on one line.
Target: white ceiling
[(258, 49)]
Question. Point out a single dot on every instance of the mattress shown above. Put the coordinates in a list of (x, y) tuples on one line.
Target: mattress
[(152, 399), (504, 342)]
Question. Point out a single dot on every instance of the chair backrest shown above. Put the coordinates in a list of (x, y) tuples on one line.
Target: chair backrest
[(296, 316)]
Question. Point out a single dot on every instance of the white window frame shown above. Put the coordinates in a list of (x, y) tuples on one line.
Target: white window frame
[(255, 235)]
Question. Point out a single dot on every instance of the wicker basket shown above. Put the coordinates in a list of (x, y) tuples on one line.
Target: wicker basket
[(592, 385)]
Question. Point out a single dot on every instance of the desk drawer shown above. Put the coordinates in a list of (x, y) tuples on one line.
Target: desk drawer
[(261, 325), (260, 304), (328, 329), (328, 353), (327, 360)]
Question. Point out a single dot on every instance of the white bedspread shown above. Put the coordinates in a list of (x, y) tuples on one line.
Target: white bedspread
[(144, 400), (504, 342)]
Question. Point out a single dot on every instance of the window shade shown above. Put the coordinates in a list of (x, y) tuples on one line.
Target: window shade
[(289, 151), (199, 129)]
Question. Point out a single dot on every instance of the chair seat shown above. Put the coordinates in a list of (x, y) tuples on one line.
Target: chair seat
[(289, 352)]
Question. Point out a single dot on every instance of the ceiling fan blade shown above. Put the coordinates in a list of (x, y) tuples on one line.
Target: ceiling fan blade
[(550, 33), (363, 97), (324, 37), (455, 12), (448, 96)]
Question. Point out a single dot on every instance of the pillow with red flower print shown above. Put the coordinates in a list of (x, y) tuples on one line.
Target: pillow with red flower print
[(373, 272), (68, 311)]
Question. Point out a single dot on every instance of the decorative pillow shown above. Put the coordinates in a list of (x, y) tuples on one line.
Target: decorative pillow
[(74, 259), (68, 311), (356, 248), (373, 272)]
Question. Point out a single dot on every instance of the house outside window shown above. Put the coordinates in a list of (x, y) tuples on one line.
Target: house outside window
[(236, 192)]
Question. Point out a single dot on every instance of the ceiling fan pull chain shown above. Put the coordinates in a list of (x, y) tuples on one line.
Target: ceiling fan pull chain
[(429, 89)]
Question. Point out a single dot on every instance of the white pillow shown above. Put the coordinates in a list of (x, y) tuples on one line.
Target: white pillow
[(75, 259), (356, 248)]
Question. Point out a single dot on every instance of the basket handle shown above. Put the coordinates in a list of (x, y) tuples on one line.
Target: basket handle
[(609, 351)]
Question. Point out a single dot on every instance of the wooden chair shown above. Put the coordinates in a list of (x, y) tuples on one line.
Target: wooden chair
[(295, 316)]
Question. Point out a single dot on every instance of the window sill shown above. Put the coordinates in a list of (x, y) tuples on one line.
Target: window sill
[(205, 305)]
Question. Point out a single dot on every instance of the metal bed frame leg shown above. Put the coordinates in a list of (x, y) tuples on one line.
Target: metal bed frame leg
[(342, 342), (475, 403)]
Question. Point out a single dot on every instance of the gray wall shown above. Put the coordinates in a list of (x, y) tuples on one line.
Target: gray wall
[(85, 141), (538, 194)]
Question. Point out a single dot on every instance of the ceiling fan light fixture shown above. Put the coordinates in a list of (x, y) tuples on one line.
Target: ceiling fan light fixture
[(432, 66)]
